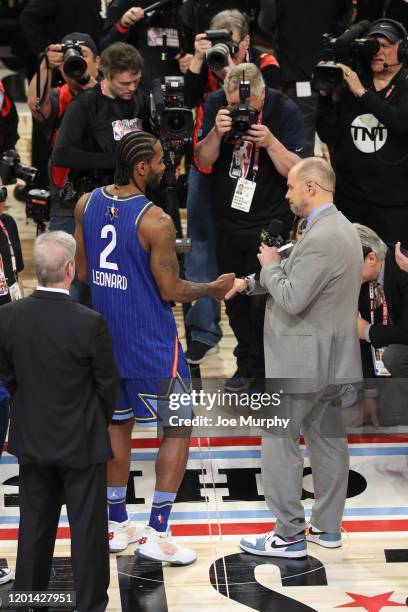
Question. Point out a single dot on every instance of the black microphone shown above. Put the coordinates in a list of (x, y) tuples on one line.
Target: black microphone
[(386, 66), (272, 237)]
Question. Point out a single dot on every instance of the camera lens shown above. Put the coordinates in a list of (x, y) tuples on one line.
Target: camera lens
[(74, 64), (217, 56)]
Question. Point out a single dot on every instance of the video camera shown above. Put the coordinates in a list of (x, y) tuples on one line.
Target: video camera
[(12, 169), (223, 47), (172, 120), (38, 206), (349, 48), (74, 64), (242, 115)]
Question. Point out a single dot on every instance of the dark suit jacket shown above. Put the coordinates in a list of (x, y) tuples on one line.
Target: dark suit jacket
[(396, 294), (56, 359)]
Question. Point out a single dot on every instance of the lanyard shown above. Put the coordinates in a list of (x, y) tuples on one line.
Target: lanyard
[(372, 305), (13, 257), (237, 154)]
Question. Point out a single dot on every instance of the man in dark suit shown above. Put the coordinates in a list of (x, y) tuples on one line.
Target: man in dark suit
[(57, 362), (383, 322)]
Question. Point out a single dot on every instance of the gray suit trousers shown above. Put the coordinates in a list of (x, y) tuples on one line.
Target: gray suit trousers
[(318, 417)]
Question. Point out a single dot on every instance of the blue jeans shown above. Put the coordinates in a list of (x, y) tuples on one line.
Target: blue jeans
[(67, 224), (201, 266)]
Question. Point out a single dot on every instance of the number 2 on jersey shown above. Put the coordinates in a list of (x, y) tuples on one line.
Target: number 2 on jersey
[(103, 258)]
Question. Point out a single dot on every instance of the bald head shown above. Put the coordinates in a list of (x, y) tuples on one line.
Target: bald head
[(311, 184), (318, 170)]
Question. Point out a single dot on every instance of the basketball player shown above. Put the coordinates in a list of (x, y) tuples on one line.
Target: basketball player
[(126, 252)]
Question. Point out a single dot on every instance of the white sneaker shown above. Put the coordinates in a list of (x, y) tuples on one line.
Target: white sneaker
[(323, 538), (121, 535), (161, 547), (6, 575)]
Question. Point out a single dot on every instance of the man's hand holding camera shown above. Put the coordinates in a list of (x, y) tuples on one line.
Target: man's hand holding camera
[(352, 80), (261, 135), (223, 122), (55, 56)]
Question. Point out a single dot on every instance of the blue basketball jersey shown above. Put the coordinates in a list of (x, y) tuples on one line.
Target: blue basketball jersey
[(123, 288)]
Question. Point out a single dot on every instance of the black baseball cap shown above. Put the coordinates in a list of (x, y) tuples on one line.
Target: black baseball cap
[(83, 38), (387, 29)]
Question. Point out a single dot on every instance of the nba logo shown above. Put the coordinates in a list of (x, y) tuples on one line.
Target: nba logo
[(118, 131), (241, 160)]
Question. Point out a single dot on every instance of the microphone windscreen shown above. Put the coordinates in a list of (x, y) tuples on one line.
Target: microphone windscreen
[(275, 228)]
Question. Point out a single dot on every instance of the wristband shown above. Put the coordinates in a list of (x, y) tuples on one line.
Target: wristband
[(121, 29)]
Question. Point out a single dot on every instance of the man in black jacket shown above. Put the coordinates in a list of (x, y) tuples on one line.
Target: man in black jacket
[(57, 362), (98, 117), (365, 125)]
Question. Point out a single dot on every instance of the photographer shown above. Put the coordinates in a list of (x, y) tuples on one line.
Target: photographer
[(200, 80), (365, 125), (260, 159), (43, 21), (50, 109), (98, 117), (154, 35), (300, 46)]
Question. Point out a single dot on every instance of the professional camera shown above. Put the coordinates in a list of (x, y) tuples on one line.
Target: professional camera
[(173, 122), (38, 205), (217, 56), (74, 65), (11, 169), (3, 194), (350, 49), (242, 115)]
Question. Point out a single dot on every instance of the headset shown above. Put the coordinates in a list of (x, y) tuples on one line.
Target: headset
[(403, 43)]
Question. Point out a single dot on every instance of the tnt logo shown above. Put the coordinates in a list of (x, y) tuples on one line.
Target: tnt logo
[(368, 134)]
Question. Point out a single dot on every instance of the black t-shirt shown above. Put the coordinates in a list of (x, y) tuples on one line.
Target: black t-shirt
[(368, 138), (285, 121), (92, 127)]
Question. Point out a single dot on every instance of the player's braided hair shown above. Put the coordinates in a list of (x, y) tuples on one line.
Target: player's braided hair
[(133, 148)]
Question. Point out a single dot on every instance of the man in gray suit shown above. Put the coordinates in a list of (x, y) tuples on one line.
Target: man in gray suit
[(310, 339)]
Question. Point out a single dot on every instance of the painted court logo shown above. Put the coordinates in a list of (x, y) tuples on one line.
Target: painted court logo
[(368, 134)]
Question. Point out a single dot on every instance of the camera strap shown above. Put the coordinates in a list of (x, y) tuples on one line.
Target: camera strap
[(41, 97), (255, 166)]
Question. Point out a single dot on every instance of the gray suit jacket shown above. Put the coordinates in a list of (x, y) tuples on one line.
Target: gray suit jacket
[(310, 327)]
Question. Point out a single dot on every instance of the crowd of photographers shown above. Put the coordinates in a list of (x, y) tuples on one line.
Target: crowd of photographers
[(255, 116)]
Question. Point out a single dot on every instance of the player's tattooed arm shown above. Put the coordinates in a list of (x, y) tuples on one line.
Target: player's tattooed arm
[(165, 266)]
